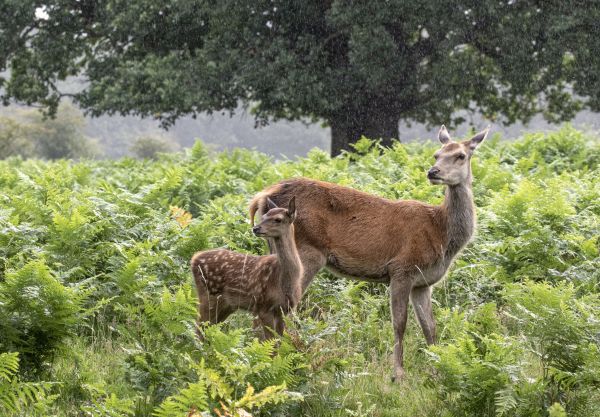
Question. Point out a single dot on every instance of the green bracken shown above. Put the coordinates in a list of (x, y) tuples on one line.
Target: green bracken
[(97, 305)]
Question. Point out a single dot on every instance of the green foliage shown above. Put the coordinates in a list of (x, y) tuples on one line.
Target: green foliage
[(188, 401), (103, 404), (13, 140), (482, 369), (478, 368), (37, 313), (568, 149), (556, 410), (96, 292), (562, 330), (531, 218), (261, 364), (16, 397), (230, 374), (160, 335)]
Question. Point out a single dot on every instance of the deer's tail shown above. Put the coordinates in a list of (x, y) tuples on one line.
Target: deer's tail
[(259, 202)]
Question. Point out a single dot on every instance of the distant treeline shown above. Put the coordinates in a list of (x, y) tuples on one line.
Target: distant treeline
[(24, 132)]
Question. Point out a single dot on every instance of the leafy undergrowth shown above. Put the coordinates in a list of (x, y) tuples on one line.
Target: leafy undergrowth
[(97, 305)]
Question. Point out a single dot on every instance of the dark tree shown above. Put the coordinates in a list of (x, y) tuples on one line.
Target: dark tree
[(359, 65)]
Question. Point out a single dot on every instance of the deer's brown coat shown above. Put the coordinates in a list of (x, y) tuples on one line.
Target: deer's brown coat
[(406, 243)]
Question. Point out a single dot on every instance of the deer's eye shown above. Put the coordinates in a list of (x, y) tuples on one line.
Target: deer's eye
[(461, 156), (277, 220)]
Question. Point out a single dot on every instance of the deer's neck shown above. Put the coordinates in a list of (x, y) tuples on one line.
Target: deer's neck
[(290, 266), (460, 217)]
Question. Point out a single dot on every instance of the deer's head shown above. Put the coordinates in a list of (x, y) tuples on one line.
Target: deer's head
[(453, 160), (277, 221)]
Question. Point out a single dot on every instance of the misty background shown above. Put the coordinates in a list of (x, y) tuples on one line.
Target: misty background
[(116, 136)]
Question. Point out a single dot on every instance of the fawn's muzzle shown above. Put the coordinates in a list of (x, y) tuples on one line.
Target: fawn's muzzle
[(433, 173)]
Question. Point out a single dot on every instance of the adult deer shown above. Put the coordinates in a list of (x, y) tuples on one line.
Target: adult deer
[(267, 286), (408, 244)]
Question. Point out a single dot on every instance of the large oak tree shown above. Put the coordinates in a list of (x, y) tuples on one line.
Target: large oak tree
[(359, 65)]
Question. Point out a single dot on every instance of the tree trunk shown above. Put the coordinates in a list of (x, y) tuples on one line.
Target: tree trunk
[(347, 128)]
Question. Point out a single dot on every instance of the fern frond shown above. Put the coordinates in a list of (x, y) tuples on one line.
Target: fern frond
[(16, 396), (217, 385), (274, 394), (9, 365), (194, 397), (505, 401)]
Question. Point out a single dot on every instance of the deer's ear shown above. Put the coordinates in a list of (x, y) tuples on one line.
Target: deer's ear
[(292, 208), (271, 204), (478, 138), (444, 136)]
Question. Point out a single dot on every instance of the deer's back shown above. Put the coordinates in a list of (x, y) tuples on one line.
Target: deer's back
[(362, 233), (241, 280)]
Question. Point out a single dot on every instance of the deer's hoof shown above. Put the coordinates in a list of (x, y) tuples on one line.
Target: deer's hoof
[(398, 376)]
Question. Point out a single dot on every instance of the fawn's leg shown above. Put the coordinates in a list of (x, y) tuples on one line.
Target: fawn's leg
[(211, 310), (279, 322)]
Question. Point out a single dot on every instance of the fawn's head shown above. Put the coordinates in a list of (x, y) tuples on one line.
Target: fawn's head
[(277, 221), (453, 161)]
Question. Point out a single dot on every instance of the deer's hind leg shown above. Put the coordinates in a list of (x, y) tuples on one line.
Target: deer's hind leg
[(421, 301)]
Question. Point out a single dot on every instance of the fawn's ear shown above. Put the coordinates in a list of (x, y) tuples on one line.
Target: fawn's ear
[(478, 138), (444, 136), (292, 208), (271, 204)]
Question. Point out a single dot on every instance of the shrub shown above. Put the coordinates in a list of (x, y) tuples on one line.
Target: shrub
[(37, 313), (236, 376), (19, 398), (13, 141), (565, 149), (478, 367), (561, 329), (27, 133), (149, 147), (547, 357)]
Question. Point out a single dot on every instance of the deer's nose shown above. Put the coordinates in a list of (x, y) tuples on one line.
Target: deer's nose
[(432, 173), (256, 229)]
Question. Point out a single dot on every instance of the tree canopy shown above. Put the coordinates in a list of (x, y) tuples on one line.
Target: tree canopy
[(360, 66)]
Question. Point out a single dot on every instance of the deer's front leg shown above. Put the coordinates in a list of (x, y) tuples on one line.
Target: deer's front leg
[(312, 261), (400, 286)]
